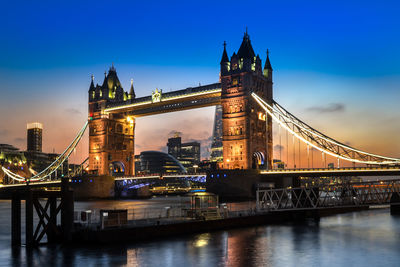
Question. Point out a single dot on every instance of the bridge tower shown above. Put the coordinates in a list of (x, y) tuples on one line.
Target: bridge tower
[(247, 131), (111, 136)]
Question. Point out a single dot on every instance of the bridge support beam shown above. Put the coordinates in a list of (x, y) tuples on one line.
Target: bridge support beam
[(67, 210), (29, 218), (16, 220), (395, 204)]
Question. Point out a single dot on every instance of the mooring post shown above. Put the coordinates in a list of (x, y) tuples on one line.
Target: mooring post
[(51, 233), (29, 218), (16, 219), (67, 209)]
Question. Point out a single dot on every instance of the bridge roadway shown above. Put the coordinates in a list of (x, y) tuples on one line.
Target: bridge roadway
[(330, 172), (144, 177), (189, 98)]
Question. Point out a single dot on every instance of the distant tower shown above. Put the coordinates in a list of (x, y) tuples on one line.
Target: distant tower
[(247, 131), (216, 145), (34, 136)]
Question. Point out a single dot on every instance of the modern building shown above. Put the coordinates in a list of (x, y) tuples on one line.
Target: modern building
[(174, 146), (216, 145), (34, 136), (188, 153), (156, 162)]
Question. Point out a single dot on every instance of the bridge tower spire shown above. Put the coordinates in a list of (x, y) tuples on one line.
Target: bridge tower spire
[(225, 64), (247, 130)]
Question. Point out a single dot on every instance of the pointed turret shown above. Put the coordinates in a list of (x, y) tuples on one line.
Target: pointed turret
[(224, 58), (92, 83), (92, 92), (246, 49), (268, 67), (105, 79), (132, 94), (225, 64)]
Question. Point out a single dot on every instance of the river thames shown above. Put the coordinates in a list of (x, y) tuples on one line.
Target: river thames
[(366, 238)]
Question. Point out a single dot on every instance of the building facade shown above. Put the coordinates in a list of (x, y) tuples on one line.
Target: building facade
[(34, 136), (187, 153), (247, 131)]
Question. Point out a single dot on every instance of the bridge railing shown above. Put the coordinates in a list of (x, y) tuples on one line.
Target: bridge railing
[(322, 196)]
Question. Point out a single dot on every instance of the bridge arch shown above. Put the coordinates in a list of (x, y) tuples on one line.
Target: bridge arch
[(117, 168)]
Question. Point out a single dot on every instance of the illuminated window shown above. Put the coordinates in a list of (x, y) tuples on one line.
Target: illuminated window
[(235, 81)]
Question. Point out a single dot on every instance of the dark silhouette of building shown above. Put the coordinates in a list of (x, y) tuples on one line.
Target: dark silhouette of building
[(187, 153), (159, 162), (247, 131), (174, 146), (216, 145), (34, 136)]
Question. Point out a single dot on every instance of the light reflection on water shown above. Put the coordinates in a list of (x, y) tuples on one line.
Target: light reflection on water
[(368, 238)]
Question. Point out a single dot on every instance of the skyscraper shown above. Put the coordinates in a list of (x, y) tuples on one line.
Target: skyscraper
[(188, 154), (34, 136), (216, 145)]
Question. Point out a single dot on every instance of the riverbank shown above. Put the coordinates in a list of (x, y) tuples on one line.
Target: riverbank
[(154, 229)]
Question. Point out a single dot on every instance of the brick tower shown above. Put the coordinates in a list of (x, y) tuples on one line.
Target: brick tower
[(111, 136), (247, 131)]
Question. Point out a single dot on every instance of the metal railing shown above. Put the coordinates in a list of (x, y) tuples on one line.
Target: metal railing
[(323, 196)]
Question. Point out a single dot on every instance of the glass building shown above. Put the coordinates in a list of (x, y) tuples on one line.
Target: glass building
[(159, 162), (188, 154)]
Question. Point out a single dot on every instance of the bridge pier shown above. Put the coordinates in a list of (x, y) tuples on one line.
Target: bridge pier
[(29, 218), (395, 204), (16, 220), (46, 213)]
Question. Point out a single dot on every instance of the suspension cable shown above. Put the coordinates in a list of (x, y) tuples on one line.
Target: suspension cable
[(326, 148)]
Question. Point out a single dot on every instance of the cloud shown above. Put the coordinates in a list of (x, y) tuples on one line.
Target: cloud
[(333, 107), (19, 140), (73, 111), (3, 132)]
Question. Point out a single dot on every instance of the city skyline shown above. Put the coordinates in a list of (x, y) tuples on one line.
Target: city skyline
[(342, 78)]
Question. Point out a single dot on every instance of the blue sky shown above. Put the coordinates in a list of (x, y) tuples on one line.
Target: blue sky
[(325, 54)]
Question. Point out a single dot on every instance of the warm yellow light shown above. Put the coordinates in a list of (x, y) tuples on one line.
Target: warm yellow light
[(97, 158), (129, 119), (227, 160)]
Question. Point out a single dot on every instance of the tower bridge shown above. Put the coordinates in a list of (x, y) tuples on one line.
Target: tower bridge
[(245, 93), (247, 130)]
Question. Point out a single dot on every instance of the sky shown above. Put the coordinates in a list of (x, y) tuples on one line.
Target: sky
[(336, 64)]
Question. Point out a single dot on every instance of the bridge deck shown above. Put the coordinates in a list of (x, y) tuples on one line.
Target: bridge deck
[(367, 171), (196, 97)]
